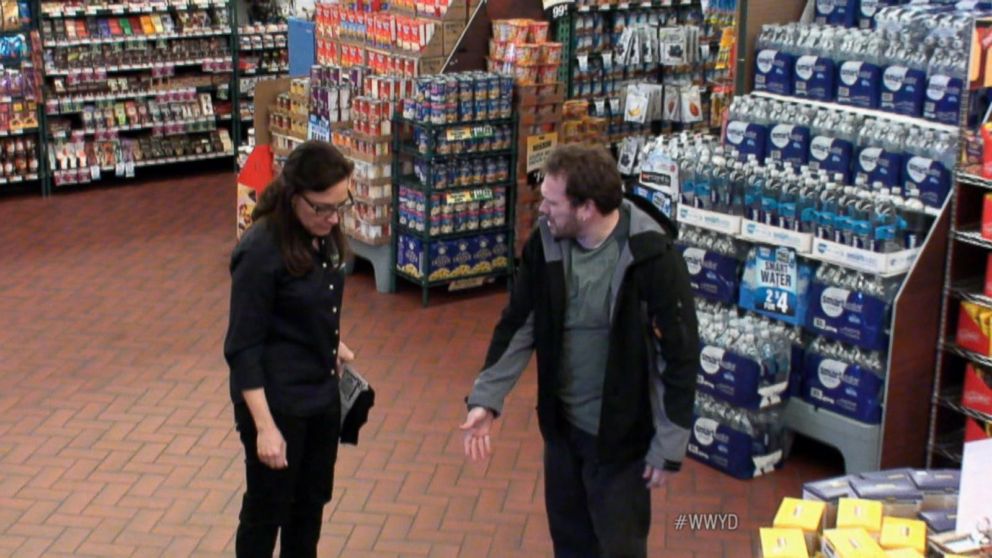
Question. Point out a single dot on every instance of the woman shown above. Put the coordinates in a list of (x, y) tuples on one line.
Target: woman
[(284, 351)]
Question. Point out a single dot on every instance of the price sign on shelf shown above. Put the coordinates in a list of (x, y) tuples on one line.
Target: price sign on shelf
[(538, 149), (557, 9), (777, 281), (469, 132), (479, 194)]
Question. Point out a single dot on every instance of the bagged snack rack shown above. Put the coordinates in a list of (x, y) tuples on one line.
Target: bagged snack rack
[(520, 49)]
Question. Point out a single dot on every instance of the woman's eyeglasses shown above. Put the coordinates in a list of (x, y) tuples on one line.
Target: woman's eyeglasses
[(326, 210)]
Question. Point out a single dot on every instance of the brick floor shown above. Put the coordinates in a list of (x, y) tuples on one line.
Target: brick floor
[(116, 434)]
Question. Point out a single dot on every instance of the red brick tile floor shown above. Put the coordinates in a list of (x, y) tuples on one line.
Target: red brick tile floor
[(116, 432)]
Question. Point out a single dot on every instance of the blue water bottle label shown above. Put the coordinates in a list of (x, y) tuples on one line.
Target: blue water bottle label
[(832, 155), (747, 138), (943, 99), (858, 84), (789, 143), (926, 179), (815, 78), (903, 90), (849, 316), (712, 275), (844, 388), (876, 164)]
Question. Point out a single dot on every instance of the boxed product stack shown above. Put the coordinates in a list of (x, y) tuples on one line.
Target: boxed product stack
[(369, 144), (405, 39), (289, 121), (745, 363), (902, 513), (454, 172), (520, 48)]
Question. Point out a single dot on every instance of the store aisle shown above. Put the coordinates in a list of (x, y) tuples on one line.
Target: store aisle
[(116, 434)]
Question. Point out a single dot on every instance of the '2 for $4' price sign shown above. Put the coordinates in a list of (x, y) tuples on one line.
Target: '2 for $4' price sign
[(777, 272)]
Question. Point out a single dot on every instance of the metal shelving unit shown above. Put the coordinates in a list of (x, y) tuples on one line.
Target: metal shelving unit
[(967, 252), (132, 85), (28, 179), (479, 191)]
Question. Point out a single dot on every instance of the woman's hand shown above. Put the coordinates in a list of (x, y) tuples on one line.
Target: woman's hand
[(272, 448), (345, 355)]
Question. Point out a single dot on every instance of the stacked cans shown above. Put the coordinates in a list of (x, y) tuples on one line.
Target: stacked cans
[(441, 175), (492, 138), (449, 218), (464, 97)]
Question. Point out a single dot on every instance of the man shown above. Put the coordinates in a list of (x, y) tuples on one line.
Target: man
[(603, 295)]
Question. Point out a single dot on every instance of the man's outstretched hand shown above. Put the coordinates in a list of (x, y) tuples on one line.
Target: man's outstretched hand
[(477, 426)]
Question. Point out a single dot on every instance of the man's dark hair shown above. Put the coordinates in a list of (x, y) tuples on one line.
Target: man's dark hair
[(590, 173), (313, 166)]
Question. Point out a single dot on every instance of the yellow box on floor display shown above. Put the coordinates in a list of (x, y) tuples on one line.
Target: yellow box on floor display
[(783, 543), (899, 533), (903, 553), (805, 515), (854, 513), (850, 543)]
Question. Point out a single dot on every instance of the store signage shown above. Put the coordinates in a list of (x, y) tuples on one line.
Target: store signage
[(557, 8), (470, 132), (477, 195), (538, 149)]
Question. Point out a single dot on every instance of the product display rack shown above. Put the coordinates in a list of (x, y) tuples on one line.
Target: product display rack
[(22, 169), (565, 31), (136, 84), (966, 258), (404, 153), (900, 438), (261, 52)]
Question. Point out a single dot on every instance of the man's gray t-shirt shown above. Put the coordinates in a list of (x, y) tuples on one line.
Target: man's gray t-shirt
[(586, 341)]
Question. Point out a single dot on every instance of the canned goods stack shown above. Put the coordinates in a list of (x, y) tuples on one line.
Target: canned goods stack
[(465, 97), (450, 218), (454, 161)]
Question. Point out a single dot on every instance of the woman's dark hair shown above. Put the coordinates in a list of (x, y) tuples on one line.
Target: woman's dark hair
[(313, 166), (590, 174)]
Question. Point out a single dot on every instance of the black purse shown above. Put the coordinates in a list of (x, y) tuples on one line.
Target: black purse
[(357, 398)]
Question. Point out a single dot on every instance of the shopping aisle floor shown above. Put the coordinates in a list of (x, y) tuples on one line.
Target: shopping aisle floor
[(116, 432)]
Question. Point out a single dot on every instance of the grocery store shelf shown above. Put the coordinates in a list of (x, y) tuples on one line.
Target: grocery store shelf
[(871, 113), (264, 72), (622, 6), (55, 72), (196, 34), (110, 97), (972, 237), (971, 291), (433, 236), (18, 179), (278, 29), (15, 133), (58, 10), (951, 399), (953, 348), (423, 281), (972, 179), (183, 159), (147, 126)]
